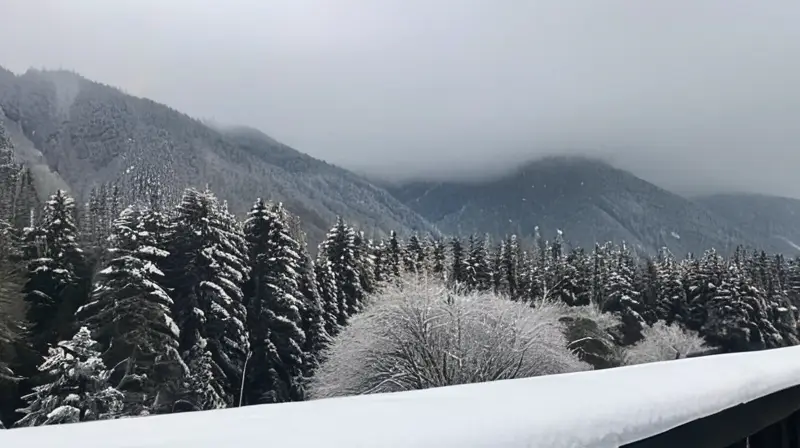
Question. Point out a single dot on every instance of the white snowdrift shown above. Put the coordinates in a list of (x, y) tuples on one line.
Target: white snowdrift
[(604, 408)]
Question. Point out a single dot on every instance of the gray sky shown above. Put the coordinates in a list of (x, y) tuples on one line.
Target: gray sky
[(692, 94)]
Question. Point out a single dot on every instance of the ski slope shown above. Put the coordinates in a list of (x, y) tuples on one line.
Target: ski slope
[(604, 408)]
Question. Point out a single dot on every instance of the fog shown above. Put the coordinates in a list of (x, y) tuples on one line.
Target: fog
[(697, 96)]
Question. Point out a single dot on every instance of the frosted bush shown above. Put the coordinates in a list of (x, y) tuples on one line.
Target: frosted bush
[(664, 342), (418, 335)]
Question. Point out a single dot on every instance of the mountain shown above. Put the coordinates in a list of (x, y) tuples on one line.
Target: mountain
[(771, 220), (590, 201), (79, 133)]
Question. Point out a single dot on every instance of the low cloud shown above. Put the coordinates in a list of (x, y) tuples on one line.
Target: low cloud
[(696, 96)]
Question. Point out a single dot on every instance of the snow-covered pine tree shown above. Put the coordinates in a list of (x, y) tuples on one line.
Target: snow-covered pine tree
[(621, 298), (57, 279), (781, 314), (414, 255), (328, 293), (130, 315), (379, 273), (274, 301), (525, 284), (205, 271), (77, 388), (339, 249), (459, 269), (479, 271), (439, 259), (496, 266), (313, 314), (394, 256), (510, 266), (366, 262), (574, 287), (703, 277), (672, 305)]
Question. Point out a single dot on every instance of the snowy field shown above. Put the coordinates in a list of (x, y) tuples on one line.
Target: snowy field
[(603, 408)]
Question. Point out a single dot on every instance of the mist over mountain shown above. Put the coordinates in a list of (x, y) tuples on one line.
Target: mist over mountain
[(78, 134), (592, 202)]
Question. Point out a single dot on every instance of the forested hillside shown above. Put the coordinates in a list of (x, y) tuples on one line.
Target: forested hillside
[(591, 202), (92, 136)]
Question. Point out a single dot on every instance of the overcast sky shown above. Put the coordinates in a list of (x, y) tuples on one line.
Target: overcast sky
[(691, 94)]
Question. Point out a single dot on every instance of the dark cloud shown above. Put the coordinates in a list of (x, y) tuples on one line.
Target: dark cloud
[(694, 95)]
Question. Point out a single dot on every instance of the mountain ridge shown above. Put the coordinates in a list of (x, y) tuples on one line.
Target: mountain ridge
[(589, 200), (89, 133)]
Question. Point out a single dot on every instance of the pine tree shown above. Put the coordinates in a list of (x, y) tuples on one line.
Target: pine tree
[(365, 261), (414, 259), (379, 273), (329, 294), (499, 284), (313, 314), (672, 304), (439, 259), (394, 256), (205, 271), (479, 271), (621, 298), (77, 389), (57, 277), (703, 278), (510, 266), (274, 302), (130, 315), (339, 248), (459, 268)]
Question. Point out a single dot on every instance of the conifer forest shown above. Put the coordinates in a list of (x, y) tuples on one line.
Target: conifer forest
[(146, 301)]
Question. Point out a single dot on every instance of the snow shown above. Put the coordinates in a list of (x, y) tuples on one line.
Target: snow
[(605, 408)]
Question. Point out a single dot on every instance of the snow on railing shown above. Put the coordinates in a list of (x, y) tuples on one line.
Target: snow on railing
[(605, 408)]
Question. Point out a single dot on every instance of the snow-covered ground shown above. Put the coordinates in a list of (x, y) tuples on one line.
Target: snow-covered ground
[(604, 408)]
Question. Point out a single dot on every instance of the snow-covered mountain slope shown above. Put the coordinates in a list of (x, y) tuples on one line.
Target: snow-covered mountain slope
[(77, 133), (589, 200), (605, 408)]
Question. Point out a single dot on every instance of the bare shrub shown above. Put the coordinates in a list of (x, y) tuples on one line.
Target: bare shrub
[(664, 342), (418, 335)]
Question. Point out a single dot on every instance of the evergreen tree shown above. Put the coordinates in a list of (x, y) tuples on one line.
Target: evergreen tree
[(499, 284), (316, 337), (672, 304), (459, 268), (274, 304), (621, 298), (329, 294), (363, 253), (339, 248), (57, 277), (479, 271), (131, 316), (510, 266), (205, 270), (439, 259), (414, 255), (394, 256), (380, 273), (704, 276), (77, 389)]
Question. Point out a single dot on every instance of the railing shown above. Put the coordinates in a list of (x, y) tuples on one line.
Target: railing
[(738, 400), (772, 421)]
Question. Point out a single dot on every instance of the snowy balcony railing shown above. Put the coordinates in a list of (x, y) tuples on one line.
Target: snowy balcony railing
[(713, 401)]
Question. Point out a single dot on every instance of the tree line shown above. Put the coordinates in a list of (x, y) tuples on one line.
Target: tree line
[(109, 311)]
